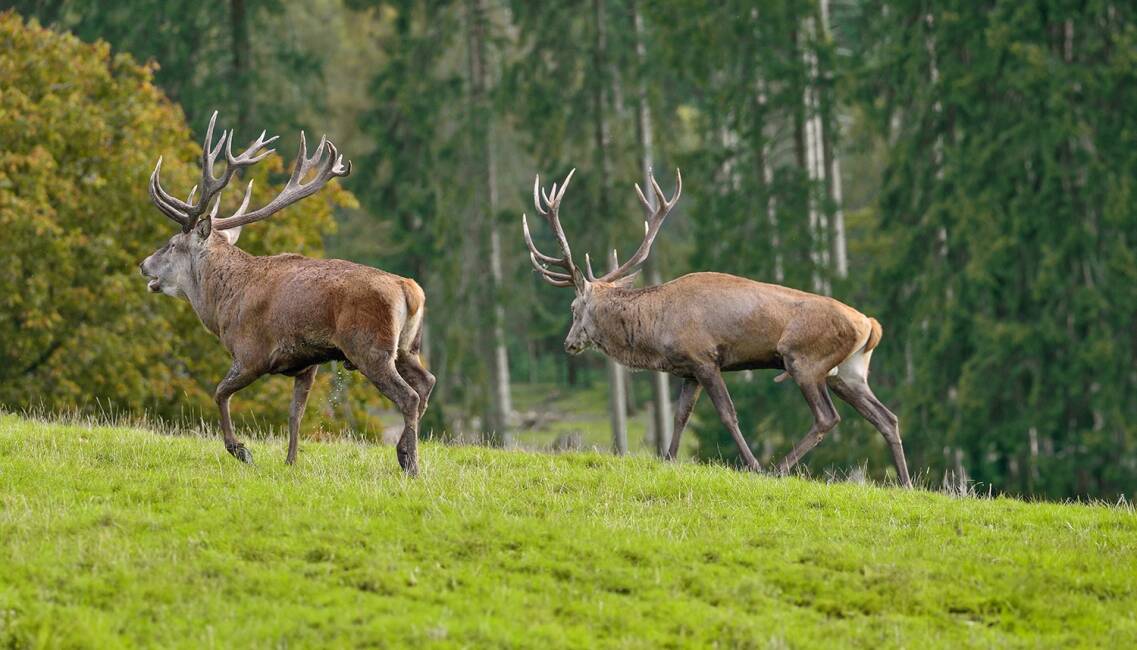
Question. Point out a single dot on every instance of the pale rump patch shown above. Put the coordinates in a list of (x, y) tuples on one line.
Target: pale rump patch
[(857, 353), (410, 329)]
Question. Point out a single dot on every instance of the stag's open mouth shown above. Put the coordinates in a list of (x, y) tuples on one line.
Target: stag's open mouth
[(154, 286)]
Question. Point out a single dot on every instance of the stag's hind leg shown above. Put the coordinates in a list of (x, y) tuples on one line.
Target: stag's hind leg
[(379, 367), (414, 373), (851, 384), (809, 372), (237, 378)]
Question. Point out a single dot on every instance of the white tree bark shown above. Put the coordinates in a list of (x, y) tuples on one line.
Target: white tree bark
[(617, 395), (771, 200), (502, 406), (814, 159), (840, 246), (660, 388)]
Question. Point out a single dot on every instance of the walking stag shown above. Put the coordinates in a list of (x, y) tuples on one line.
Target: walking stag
[(703, 324), (285, 314)]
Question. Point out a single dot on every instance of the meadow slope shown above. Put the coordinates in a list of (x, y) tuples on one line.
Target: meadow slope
[(124, 537)]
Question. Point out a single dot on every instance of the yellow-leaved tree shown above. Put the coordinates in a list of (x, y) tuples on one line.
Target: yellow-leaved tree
[(80, 131)]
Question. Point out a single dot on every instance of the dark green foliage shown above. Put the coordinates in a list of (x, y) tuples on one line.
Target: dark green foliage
[(1006, 218)]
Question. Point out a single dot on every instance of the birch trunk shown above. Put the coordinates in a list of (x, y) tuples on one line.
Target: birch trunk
[(833, 175), (660, 388), (813, 159), (617, 395), (501, 408), (766, 172)]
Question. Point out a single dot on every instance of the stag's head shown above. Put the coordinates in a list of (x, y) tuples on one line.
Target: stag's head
[(171, 268), (583, 281)]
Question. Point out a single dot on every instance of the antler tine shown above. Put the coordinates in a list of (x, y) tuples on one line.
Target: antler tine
[(537, 195), (655, 219), (249, 156), (555, 278), (216, 205), (329, 164), (211, 184), (175, 209), (548, 205), (588, 268), (548, 259)]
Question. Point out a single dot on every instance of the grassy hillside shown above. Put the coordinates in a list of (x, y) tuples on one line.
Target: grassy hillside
[(126, 537)]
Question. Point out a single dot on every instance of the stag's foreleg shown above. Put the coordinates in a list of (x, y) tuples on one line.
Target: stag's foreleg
[(688, 396), (237, 379), (300, 389), (711, 379), (856, 391)]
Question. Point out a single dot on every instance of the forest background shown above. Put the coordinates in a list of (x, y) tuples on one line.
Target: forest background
[(962, 171)]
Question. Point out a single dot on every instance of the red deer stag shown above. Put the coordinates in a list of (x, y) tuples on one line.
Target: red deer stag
[(285, 314), (702, 324)]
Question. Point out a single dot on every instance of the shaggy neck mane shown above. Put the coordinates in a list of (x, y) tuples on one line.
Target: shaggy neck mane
[(220, 272), (630, 322)]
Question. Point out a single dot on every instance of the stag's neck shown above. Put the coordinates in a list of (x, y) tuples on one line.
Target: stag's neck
[(625, 327), (221, 272)]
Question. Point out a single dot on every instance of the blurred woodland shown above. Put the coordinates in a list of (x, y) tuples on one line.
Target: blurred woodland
[(963, 171)]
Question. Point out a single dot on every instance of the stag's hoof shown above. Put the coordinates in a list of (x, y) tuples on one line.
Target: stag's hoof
[(241, 453), (408, 463)]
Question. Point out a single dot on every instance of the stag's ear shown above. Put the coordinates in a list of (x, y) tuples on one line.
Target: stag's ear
[(203, 227), (627, 281), (231, 234)]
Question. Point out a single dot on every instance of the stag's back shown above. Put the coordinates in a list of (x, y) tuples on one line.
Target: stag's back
[(741, 322), (292, 302)]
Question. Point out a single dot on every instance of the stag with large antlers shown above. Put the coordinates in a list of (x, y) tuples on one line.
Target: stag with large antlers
[(285, 314), (703, 324)]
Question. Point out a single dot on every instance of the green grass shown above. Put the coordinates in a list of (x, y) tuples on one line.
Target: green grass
[(124, 537)]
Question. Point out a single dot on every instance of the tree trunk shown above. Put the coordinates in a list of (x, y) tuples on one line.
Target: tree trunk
[(766, 180), (832, 167), (814, 157), (660, 389), (242, 99), (617, 392), (501, 407), (617, 397)]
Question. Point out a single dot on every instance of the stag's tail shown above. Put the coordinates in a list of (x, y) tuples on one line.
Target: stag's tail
[(874, 335), (410, 339)]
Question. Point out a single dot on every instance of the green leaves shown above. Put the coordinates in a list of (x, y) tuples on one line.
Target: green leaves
[(79, 133)]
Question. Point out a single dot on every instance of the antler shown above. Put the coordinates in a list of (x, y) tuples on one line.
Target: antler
[(186, 213), (551, 210), (655, 216), (328, 163)]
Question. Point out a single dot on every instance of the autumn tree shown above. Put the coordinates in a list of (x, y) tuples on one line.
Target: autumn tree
[(80, 131)]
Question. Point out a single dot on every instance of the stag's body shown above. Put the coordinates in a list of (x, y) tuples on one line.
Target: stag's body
[(703, 324), (286, 314), (283, 313), (732, 322)]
